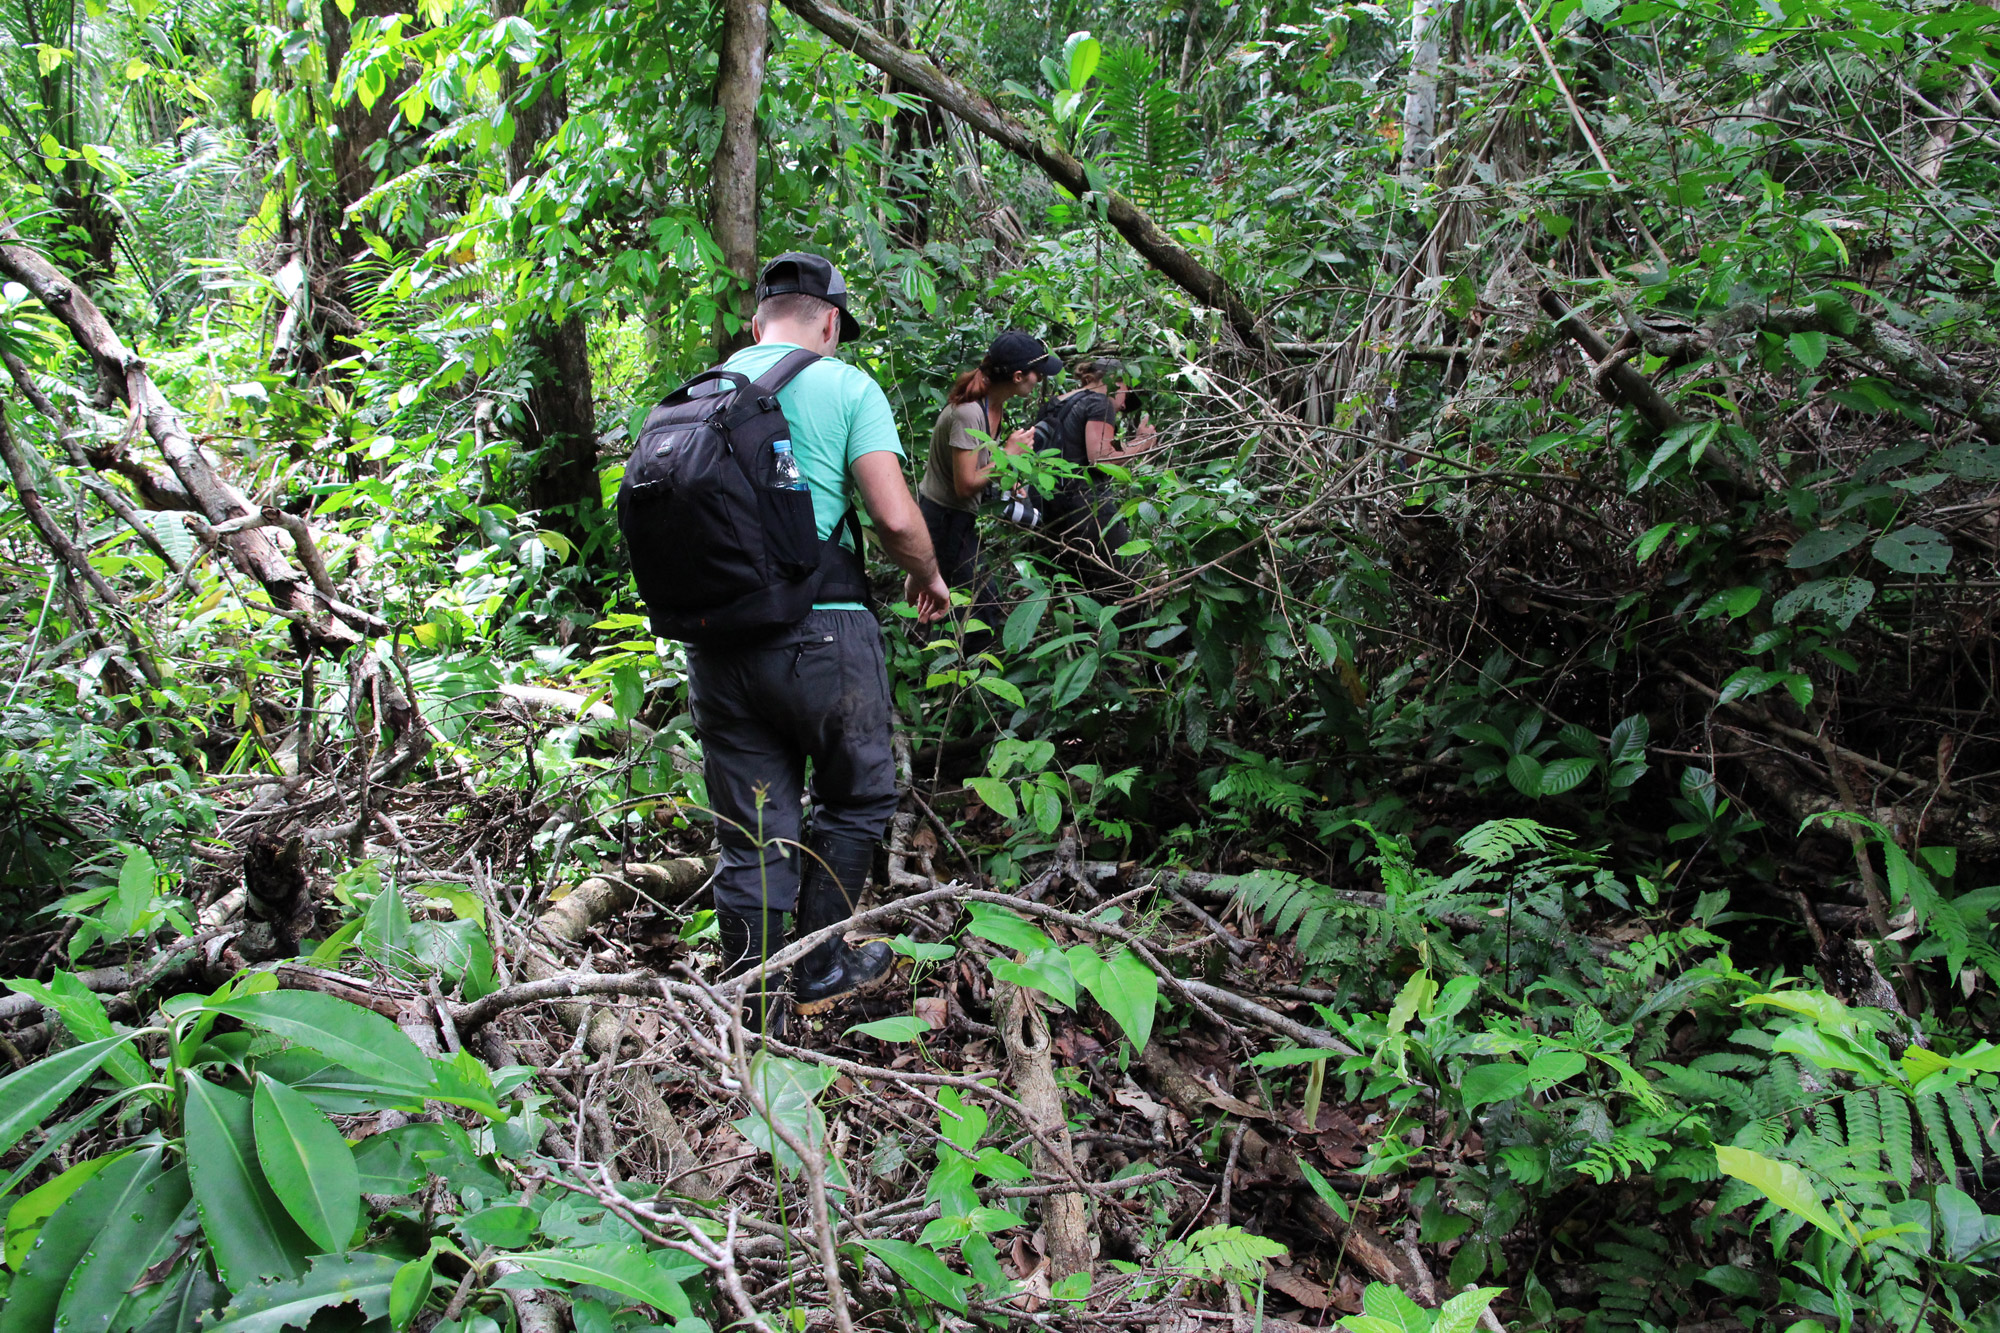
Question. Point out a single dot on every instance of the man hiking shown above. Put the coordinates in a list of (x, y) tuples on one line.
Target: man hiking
[(817, 691)]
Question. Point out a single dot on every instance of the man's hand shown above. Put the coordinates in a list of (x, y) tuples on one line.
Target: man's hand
[(1143, 435), (931, 598)]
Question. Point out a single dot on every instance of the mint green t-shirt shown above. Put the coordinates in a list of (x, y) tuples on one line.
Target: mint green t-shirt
[(837, 414)]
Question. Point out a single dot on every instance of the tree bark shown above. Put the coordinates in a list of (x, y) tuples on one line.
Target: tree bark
[(559, 432), (732, 176), (66, 549), (1065, 1217), (1132, 222), (125, 376), (1420, 99)]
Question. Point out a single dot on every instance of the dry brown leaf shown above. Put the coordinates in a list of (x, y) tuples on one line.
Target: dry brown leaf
[(1300, 1288)]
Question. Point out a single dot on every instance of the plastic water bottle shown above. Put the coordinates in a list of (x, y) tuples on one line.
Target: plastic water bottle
[(786, 467)]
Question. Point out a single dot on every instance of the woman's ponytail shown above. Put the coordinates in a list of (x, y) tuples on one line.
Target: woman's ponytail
[(970, 387)]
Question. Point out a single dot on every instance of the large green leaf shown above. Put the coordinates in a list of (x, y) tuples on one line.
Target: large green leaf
[(308, 1163), (1780, 1182), (1495, 1082), (922, 1269), (1004, 928), (625, 1269), (790, 1090), (36, 1295), (82, 1012), (364, 1041), (1123, 985), (252, 1235), (266, 1307), (28, 1095), (1461, 1314), (25, 1218), (1045, 970), (98, 1295)]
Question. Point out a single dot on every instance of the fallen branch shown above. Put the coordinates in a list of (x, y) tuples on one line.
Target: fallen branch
[(1132, 222)]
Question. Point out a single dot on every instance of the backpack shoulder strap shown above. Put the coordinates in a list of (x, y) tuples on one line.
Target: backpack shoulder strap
[(761, 395)]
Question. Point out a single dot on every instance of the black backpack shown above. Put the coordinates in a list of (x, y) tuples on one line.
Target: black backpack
[(1059, 430), (723, 550)]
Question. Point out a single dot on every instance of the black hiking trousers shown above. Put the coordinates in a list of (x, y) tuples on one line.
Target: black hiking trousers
[(955, 538), (814, 697), (1082, 526)]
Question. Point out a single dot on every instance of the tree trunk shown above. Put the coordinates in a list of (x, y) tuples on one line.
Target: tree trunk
[(560, 430), (1420, 99), (1133, 223), (1189, 45), (732, 176)]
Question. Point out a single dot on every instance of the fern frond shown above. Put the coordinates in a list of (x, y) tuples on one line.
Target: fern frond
[(1500, 840), (1937, 1133), (1968, 1129), (1897, 1143), (1864, 1128)]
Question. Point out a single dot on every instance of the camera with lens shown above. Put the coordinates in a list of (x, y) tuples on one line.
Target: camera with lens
[(1022, 510)]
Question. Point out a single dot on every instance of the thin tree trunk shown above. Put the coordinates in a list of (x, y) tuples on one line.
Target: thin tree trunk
[(1189, 45), (732, 177), (1420, 99), (560, 430), (1132, 222)]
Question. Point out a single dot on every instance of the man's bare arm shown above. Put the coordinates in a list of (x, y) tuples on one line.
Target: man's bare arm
[(900, 524)]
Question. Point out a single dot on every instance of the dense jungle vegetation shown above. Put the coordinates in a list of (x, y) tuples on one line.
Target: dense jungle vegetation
[(1520, 851)]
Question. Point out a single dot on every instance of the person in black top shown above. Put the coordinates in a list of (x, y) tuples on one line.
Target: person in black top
[(1081, 517)]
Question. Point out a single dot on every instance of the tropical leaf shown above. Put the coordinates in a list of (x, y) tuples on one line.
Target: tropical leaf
[(347, 1279), (308, 1163), (252, 1235)]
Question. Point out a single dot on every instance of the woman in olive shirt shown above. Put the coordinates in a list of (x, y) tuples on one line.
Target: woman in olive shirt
[(961, 463)]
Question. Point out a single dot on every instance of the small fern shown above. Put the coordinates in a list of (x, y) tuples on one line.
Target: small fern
[(1215, 1253)]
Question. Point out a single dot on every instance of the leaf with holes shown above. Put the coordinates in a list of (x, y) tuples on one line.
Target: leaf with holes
[(1840, 599), (350, 1279), (1914, 550), (1817, 548)]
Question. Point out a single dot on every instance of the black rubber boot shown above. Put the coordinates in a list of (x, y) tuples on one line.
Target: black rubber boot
[(829, 891), (747, 942)]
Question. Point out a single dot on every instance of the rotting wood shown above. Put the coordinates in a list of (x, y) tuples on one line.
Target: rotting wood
[(1031, 1071)]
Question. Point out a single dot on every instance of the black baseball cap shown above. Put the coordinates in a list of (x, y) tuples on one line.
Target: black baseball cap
[(809, 275), (1015, 350)]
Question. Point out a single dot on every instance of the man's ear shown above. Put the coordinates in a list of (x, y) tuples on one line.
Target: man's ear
[(756, 329), (830, 331)]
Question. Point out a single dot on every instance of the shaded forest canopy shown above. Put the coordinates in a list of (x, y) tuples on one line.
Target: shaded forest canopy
[(1517, 850)]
